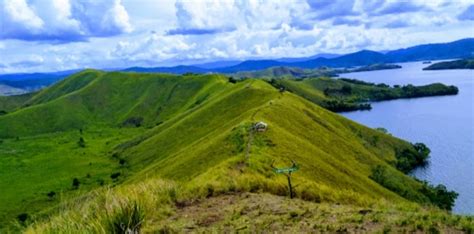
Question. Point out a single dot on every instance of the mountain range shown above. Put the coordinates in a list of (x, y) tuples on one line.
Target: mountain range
[(457, 49)]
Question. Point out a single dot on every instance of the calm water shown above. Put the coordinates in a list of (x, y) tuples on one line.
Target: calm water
[(445, 124)]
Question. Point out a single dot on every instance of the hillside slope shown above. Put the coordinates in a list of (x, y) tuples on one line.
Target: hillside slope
[(195, 131)]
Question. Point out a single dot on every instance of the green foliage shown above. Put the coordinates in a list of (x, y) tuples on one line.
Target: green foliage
[(115, 175), (23, 217), (349, 94), (439, 195), (456, 64), (81, 143), (426, 193), (75, 183), (133, 121), (51, 194), (128, 218), (408, 159)]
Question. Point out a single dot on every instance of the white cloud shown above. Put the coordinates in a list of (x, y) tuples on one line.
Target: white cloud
[(62, 20), (170, 32)]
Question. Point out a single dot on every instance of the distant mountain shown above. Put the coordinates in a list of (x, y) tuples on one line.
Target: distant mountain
[(361, 58), (32, 81), (174, 70), (218, 64), (322, 55), (457, 49)]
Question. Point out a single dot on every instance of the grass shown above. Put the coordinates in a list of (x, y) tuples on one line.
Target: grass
[(191, 146), (33, 167), (165, 206)]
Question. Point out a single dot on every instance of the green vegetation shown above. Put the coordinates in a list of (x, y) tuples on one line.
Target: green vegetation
[(374, 67), (164, 207), (10, 103), (436, 195), (191, 146), (348, 94), (408, 159), (456, 64)]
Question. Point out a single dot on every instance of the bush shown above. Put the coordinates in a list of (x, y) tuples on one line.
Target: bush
[(133, 121), (51, 194), (409, 159), (126, 219), (115, 175), (232, 80), (81, 143), (23, 217), (436, 195), (75, 183), (439, 195)]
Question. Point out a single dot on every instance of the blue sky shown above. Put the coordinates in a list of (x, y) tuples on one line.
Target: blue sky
[(51, 35)]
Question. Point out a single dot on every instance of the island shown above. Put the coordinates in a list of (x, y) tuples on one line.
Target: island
[(456, 64), (374, 67)]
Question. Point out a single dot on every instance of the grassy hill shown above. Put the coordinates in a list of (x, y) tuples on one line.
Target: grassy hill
[(165, 141), (348, 94), (456, 64)]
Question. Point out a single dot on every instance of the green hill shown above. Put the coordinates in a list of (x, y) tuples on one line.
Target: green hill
[(348, 94), (456, 64), (96, 129)]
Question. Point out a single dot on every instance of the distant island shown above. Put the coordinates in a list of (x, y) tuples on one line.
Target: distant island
[(456, 64), (375, 67)]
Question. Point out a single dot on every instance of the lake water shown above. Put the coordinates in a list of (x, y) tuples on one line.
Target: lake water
[(445, 124)]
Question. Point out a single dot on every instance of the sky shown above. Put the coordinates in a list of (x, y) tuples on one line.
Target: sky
[(55, 35)]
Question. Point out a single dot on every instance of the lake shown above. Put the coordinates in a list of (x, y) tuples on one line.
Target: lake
[(445, 124)]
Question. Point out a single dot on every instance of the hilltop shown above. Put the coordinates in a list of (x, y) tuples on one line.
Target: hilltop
[(167, 141)]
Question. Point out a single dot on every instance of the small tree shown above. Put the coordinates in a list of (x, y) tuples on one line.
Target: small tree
[(75, 183), (51, 194), (81, 143), (22, 217)]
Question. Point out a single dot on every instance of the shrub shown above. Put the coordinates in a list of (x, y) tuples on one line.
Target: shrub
[(409, 159), (23, 217), (133, 121), (232, 80), (81, 143), (75, 183), (436, 195), (115, 175), (127, 218), (51, 194)]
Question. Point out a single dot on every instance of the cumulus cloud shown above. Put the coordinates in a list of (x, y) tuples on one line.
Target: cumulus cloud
[(208, 17), (62, 20), (175, 32)]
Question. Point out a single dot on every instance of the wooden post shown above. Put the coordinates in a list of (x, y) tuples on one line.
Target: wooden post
[(287, 172), (289, 185)]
